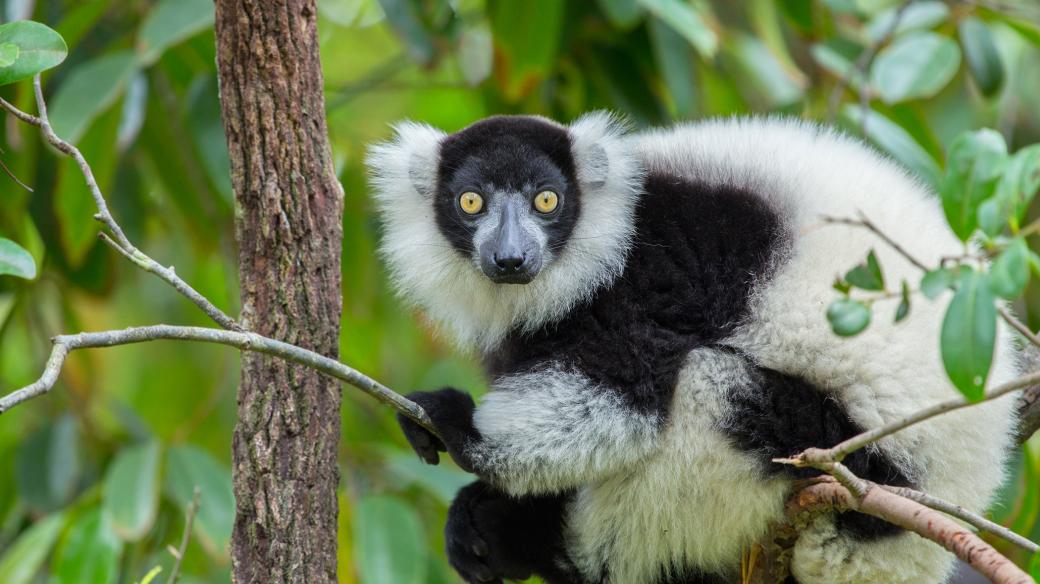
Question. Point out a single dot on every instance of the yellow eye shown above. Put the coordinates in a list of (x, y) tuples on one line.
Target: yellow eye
[(471, 203), (546, 201)]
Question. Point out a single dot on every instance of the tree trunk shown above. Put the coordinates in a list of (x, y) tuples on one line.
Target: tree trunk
[(289, 209)]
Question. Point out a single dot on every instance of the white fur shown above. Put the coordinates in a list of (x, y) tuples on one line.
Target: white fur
[(450, 288), (553, 430)]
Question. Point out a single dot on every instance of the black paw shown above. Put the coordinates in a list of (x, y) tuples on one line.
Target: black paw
[(452, 413), (473, 537)]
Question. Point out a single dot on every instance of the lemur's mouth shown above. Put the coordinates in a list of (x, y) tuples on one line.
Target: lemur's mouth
[(513, 277)]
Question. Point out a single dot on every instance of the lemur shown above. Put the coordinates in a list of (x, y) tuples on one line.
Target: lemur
[(650, 307)]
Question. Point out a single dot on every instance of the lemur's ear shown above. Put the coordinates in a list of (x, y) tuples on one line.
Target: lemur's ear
[(407, 164), (599, 155)]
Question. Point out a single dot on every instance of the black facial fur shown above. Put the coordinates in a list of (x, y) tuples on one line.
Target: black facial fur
[(506, 153)]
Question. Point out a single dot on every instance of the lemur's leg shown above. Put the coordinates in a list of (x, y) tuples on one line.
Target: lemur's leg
[(491, 536), (779, 415), (546, 431)]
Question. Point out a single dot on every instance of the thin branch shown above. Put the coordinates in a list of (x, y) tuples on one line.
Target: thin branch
[(245, 341), (838, 452), (189, 520), (1028, 414), (969, 517), (118, 239), (862, 68), (912, 516), (866, 223)]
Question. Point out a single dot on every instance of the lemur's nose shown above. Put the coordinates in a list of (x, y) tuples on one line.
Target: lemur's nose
[(509, 262)]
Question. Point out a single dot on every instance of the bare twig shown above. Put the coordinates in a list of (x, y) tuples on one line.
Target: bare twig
[(189, 520), (862, 68), (118, 239), (969, 517), (912, 516), (866, 223), (245, 341), (1029, 413)]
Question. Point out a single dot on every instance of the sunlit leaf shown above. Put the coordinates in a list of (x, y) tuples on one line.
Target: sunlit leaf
[(897, 142), (1009, 273), (917, 16), (36, 48), (15, 261), (170, 22), (188, 467), (688, 19), (90, 89), (130, 496), (974, 166), (90, 552), (848, 317), (8, 55), (980, 51), (969, 331), (915, 66), (386, 530), (23, 558)]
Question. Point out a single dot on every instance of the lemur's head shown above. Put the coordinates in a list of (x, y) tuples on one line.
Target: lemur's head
[(506, 223)]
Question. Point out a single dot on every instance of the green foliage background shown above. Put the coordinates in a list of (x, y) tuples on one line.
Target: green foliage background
[(95, 477)]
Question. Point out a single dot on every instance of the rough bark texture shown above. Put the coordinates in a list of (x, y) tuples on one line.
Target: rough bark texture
[(289, 231)]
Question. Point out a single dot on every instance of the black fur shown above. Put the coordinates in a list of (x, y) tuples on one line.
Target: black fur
[(783, 415), (490, 536), (452, 413), (506, 154), (686, 284)]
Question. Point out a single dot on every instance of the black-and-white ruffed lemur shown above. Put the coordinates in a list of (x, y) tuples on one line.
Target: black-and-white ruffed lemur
[(650, 307)]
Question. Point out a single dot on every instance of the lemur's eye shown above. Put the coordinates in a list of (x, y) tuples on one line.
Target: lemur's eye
[(546, 201), (471, 202)]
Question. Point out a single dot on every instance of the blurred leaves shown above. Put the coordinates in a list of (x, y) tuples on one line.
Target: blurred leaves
[(915, 66), (983, 58), (15, 261), (130, 495), (188, 467), (974, 165), (48, 464), (27, 48), (170, 22), (386, 531), (88, 91), (90, 552), (896, 141), (23, 559)]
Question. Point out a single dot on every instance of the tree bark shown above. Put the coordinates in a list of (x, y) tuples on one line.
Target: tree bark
[(288, 217)]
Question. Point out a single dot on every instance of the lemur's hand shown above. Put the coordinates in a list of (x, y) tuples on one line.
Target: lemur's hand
[(478, 518), (452, 413)]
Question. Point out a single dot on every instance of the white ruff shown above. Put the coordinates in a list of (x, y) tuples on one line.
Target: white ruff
[(430, 274)]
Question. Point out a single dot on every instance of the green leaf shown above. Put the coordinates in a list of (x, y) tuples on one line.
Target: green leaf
[(837, 64), (1034, 567), (984, 61), (687, 19), (799, 13), (919, 15), (170, 22), (151, 575), (8, 55), (527, 39), (47, 465), (974, 166), (89, 90), (848, 317), (38, 48), (762, 71), (675, 60), (130, 496), (867, 276), (622, 13), (1026, 28), (904, 303), (896, 141), (188, 467), (1009, 273), (25, 556), (992, 216), (969, 331), (406, 21), (386, 530), (936, 282), (1020, 181), (915, 66), (90, 552), (15, 261)]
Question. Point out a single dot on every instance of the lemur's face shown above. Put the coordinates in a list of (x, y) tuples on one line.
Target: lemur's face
[(507, 196)]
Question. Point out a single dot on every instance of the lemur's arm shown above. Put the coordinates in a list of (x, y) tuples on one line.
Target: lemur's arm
[(537, 432)]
